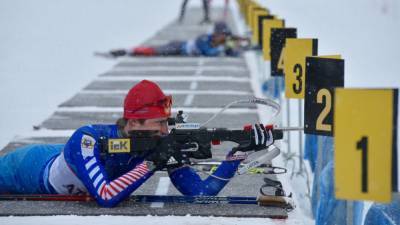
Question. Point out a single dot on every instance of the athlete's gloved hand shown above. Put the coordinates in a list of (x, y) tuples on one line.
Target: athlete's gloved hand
[(178, 159), (261, 138), (161, 153), (230, 44), (167, 154), (236, 155)]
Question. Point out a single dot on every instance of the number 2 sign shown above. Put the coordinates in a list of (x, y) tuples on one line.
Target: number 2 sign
[(323, 75)]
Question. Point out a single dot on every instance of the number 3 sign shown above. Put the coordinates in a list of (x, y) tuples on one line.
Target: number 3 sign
[(294, 60)]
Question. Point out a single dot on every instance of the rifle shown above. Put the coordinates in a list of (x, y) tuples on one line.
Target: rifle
[(185, 139), (236, 44)]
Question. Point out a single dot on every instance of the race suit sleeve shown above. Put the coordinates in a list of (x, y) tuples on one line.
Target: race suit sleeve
[(203, 43), (84, 158), (210, 51), (188, 182)]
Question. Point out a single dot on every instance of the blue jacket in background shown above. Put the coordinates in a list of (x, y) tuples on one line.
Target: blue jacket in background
[(204, 46)]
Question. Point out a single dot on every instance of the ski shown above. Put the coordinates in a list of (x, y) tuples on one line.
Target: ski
[(139, 198), (195, 199), (264, 201), (104, 55), (271, 201), (276, 201), (45, 197)]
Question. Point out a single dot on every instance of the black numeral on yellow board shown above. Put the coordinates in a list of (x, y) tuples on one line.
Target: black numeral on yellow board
[(296, 51), (324, 97), (369, 144), (298, 70), (363, 146)]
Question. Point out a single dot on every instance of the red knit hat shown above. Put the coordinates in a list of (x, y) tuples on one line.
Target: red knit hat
[(146, 100)]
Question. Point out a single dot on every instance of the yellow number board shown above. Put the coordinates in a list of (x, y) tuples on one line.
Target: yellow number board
[(241, 4), (266, 35), (254, 23), (249, 12), (296, 51), (246, 4), (365, 142)]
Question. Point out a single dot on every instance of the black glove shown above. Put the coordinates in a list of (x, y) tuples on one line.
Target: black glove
[(261, 138), (167, 154)]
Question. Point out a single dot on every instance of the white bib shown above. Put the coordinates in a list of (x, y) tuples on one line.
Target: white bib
[(190, 47), (63, 180)]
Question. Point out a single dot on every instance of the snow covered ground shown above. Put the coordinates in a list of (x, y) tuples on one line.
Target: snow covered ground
[(142, 220)]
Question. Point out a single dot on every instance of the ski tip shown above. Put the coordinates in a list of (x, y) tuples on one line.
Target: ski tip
[(103, 55), (276, 201)]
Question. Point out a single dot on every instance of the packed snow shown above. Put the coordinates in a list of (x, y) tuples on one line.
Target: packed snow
[(142, 220)]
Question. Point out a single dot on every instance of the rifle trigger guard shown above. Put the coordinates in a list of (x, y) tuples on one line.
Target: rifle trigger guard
[(192, 149)]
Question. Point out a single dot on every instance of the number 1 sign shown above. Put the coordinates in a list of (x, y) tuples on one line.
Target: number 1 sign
[(365, 144)]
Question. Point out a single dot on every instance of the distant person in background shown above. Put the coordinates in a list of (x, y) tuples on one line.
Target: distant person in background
[(221, 42), (226, 7), (206, 10)]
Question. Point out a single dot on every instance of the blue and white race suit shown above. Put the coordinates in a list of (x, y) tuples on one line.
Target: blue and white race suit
[(77, 168)]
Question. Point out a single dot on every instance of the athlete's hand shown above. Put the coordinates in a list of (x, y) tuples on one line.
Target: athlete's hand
[(167, 154), (161, 153), (261, 138), (236, 155)]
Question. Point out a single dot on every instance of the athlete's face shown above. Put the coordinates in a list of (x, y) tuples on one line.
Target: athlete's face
[(218, 39), (158, 124)]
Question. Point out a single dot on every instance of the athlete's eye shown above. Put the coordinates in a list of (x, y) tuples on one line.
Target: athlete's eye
[(163, 122)]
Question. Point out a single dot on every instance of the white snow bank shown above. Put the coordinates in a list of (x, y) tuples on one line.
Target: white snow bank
[(138, 220)]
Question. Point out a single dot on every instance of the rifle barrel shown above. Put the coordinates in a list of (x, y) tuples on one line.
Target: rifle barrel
[(289, 128)]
